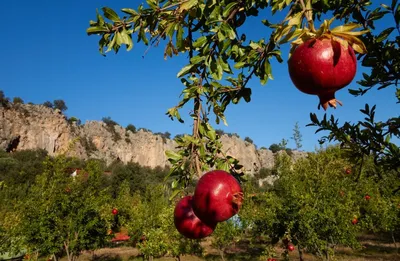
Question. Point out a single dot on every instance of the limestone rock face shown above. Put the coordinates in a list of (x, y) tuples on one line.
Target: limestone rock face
[(27, 126), (34, 126)]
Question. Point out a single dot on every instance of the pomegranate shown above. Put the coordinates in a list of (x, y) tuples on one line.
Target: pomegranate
[(354, 221), (217, 197), (187, 223), (114, 211), (367, 197), (290, 247), (322, 66)]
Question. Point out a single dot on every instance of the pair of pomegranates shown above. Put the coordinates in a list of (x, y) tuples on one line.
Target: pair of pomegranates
[(217, 197)]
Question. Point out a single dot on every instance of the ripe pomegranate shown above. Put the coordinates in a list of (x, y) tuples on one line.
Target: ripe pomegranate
[(114, 211), (187, 223), (322, 66), (367, 197), (271, 259), (348, 171), (354, 221), (217, 197), (290, 247)]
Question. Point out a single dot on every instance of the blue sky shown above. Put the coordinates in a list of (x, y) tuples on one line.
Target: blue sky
[(47, 55)]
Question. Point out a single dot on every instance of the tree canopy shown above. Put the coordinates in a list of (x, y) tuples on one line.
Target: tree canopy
[(222, 59)]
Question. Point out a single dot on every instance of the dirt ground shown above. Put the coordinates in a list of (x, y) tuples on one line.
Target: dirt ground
[(373, 248)]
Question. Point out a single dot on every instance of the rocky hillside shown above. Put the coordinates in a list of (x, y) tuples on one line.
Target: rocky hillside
[(36, 126)]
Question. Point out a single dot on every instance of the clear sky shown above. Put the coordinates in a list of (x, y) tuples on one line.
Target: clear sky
[(47, 55)]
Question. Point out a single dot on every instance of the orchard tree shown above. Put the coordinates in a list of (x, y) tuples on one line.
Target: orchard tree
[(222, 60), (62, 215)]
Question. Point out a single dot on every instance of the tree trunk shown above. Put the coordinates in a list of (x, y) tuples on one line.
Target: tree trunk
[(300, 253), (221, 253), (394, 241), (67, 250), (150, 258)]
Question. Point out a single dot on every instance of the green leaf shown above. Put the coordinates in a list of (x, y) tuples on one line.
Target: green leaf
[(228, 31), (200, 42), (188, 5), (384, 34), (96, 30), (173, 155), (100, 19), (314, 118), (111, 44), (239, 65), (126, 39), (111, 14), (212, 134), (267, 69), (185, 70), (175, 193), (179, 38), (296, 19), (197, 59), (129, 11), (397, 15), (152, 3), (228, 9)]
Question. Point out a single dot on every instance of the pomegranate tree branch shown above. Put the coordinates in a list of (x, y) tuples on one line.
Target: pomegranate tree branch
[(308, 14)]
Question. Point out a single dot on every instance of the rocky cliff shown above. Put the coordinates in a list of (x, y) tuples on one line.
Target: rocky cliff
[(36, 126)]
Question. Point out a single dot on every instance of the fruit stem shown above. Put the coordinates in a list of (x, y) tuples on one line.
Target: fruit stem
[(328, 100), (238, 198), (307, 9)]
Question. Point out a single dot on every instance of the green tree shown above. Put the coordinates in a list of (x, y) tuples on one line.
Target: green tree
[(48, 104), (131, 128), (75, 120), (297, 136), (249, 140), (274, 148), (60, 104), (62, 215), (18, 100), (4, 101)]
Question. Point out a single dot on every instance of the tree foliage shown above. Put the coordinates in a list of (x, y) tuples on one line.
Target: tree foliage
[(222, 60), (60, 105)]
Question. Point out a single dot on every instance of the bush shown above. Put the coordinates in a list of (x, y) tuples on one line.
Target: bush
[(60, 105), (275, 148), (4, 101), (247, 139), (48, 104), (18, 100), (131, 128), (74, 120)]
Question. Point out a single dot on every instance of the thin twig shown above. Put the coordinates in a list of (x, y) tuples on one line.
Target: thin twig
[(309, 15)]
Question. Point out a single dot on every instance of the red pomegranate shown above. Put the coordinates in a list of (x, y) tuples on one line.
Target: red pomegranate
[(217, 197), (290, 247), (114, 211), (322, 66), (187, 223)]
